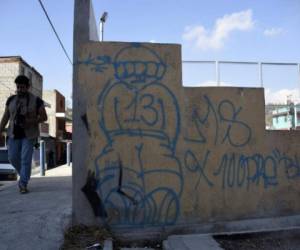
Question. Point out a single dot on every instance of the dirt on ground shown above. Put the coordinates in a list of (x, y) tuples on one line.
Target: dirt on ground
[(81, 237), (279, 240)]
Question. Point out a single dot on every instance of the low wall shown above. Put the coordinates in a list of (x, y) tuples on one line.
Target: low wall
[(160, 155)]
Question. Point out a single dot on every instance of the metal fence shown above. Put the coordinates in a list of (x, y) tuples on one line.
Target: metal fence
[(270, 75), (260, 68)]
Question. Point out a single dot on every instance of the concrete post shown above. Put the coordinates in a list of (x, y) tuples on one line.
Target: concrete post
[(85, 29), (42, 158), (260, 75), (69, 153), (217, 68), (299, 77), (295, 117)]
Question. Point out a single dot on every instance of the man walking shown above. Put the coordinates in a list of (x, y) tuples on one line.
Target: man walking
[(24, 111)]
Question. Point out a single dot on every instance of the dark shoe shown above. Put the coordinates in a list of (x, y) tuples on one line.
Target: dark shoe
[(23, 189)]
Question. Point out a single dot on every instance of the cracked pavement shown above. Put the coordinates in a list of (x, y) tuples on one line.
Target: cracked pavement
[(36, 220)]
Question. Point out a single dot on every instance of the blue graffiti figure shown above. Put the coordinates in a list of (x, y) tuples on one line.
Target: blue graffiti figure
[(225, 114), (140, 177)]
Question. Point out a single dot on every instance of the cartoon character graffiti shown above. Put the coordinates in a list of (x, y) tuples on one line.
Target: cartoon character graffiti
[(140, 177)]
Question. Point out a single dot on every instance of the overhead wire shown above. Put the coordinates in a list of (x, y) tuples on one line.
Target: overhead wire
[(54, 30)]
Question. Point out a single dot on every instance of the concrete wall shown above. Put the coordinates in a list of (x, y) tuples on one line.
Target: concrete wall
[(35, 78), (49, 96), (165, 155), (57, 105), (10, 68), (8, 73), (84, 30), (149, 153)]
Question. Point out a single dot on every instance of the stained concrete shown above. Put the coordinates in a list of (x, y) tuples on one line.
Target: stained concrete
[(167, 157), (108, 244), (85, 29), (36, 220), (136, 248), (198, 154), (191, 242)]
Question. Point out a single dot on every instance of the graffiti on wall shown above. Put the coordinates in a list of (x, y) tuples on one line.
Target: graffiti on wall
[(139, 174), (223, 114), (234, 169)]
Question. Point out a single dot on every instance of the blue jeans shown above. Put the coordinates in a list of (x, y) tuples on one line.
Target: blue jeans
[(20, 156)]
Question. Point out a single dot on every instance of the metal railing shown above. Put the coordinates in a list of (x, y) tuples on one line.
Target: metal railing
[(217, 73), (259, 65)]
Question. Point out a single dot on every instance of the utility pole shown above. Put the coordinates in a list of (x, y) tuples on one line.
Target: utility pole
[(102, 21)]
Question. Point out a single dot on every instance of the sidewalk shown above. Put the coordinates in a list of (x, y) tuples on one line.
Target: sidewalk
[(35, 221)]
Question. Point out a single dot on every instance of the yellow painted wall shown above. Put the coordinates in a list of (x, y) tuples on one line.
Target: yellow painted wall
[(164, 154)]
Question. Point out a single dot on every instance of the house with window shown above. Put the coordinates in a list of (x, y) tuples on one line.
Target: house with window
[(286, 117), (58, 136), (10, 68)]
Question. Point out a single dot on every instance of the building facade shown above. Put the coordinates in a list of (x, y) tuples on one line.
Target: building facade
[(10, 68), (69, 123), (286, 118), (56, 111)]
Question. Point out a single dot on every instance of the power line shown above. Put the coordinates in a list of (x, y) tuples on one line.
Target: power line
[(61, 44)]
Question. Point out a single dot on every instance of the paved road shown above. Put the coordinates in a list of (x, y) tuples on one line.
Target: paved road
[(36, 220), (5, 184)]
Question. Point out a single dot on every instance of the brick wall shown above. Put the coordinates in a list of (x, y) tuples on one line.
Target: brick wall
[(36, 79), (8, 73), (10, 68)]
